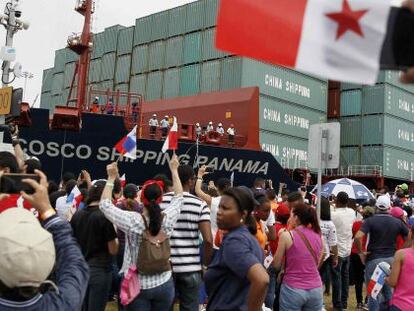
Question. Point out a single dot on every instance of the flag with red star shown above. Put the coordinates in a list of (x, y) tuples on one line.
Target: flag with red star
[(336, 39)]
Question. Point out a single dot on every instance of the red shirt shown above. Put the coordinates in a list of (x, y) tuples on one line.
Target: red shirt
[(273, 244), (11, 202), (355, 228)]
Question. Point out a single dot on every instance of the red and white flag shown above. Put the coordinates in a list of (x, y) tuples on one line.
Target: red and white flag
[(123, 180), (171, 143), (336, 39)]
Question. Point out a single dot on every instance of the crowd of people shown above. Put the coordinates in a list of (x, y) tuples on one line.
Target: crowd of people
[(185, 239)]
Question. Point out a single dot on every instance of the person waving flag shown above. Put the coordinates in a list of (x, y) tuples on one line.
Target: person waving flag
[(171, 143), (127, 146)]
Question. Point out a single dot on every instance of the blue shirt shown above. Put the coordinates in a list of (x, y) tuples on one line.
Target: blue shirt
[(226, 278)]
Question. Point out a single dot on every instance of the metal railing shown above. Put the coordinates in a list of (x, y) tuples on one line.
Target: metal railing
[(365, 170)]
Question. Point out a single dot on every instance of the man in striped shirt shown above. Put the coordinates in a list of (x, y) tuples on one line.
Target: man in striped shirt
[(185, 244)]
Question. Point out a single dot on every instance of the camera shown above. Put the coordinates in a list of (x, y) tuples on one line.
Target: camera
[(18, 13)]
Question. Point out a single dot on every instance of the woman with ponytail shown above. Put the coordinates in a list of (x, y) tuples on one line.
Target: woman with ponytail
[(236, 279), (141, 230)]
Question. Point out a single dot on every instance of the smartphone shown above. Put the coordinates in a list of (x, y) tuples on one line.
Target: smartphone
[(398, 48), (13, 184), (209, 169)]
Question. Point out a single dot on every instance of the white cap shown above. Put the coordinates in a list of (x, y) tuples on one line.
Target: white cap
[(220, 124), (166, 117), (154, 115), (197, 124), (383, 203), (210, 122), (96, 97)]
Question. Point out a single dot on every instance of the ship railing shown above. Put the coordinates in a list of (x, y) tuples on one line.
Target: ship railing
[(292, 164), (365, 170)]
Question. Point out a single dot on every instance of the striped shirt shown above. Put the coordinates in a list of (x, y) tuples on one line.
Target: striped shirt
[(185, 243), (132, 224)]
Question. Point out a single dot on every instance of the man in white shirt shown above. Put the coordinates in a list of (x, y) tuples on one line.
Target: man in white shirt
[(220, 129), (343, 218), (231, 132), (210, 127), (153, 124), (165, 125)]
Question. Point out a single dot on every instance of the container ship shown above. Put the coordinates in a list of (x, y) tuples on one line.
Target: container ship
[(167, 64)]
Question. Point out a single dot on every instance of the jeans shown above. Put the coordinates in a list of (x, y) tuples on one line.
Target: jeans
[(293, 299), (340, 283), (325, 273), (270, 296), (154, 299), (187, 286), (96, 297), (386, 294), (357, 268)]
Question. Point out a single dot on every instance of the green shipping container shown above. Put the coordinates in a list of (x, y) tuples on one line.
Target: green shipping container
[(350, 86), (57, 83), (171, 85), (47, 80), (209, 46), (174, 52), (190, 80), (140, 59), (280, 117), (138, 84), (231, 71), (160, 25), (125, 41), (387, 130), (289, 152), (123, 87), (351, 102), (351, 131), (286, 84), (56, 100), (143, 30), (71, 56), (395, 163), (46, 100), (123, 69), (349, 156), (98, 45), (157, 55), (106, 85), (195, 16), (111, 38), (192, 48), (95, 70), (393, 77), (388, 99), (60, 60), (108, 66), (154, 86), (211, 10), (176, 24), (210, 76), (69, 71)]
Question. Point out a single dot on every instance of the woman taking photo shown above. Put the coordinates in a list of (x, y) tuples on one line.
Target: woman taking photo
[(303, 249), (157, 289), (236, 279)]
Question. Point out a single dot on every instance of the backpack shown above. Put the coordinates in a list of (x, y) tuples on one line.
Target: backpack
[(154, 252)]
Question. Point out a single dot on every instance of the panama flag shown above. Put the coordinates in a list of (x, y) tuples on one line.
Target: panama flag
[(75, 197), (376, 283), (123, 180), (127, 146), (171, 143), (336, 39)]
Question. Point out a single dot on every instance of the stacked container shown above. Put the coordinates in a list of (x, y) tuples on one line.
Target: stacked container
[(377, 126)]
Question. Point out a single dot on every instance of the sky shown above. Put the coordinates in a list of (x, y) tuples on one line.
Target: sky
[(52, 21)]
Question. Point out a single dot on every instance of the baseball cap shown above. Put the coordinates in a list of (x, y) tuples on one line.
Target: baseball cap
[(397, 212), (383, 203), (403, 187), (27, 252), (283, 210)]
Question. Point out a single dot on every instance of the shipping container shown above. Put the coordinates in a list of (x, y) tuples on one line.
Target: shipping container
[(286, 84), (57, 83), (125, 41), (290, 152), (160, 26), (108, 66), (387, 130), (393, 77), (350, 86), (111, 38), (69, 71), (210, 16), (284, 118), (349, 156), (351, 102), (174, 52), (231, 70), (106, 85), (46, 100), (143, 30), (95, 70), (60, 60), (56, 100), (395, 163), (140, 59), (123, 69), (157, 55), (192, 48), (154, 85), (190, 80), (176, 24), (351, 131), (195, 16), (98, 45), (47, 80), (388, 99), (210, 76), (171, 84), (209, 46), (123, 87), (138, 84), (334, 103)]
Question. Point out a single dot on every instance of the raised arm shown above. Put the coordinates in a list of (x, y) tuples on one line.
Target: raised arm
[(200, 193)]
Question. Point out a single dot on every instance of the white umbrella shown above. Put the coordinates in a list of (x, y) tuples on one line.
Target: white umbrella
[(354, 189)]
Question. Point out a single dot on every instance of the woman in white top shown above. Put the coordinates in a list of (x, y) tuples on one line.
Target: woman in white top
[(157, 290)]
